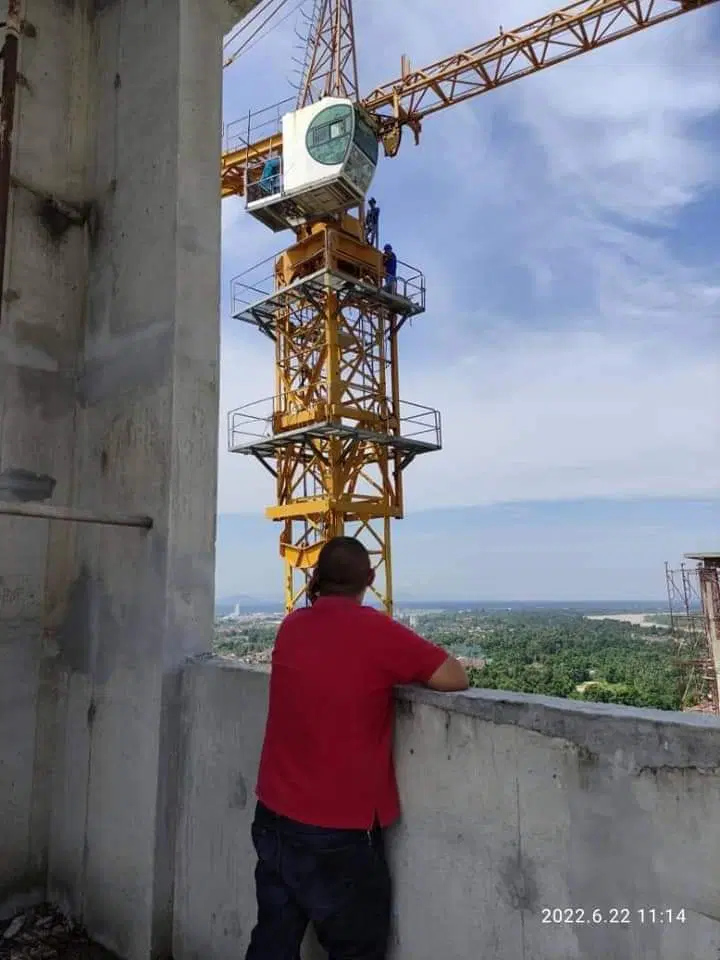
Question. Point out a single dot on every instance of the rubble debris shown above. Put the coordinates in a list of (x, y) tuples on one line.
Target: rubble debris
[(44, 933), (14, 928)]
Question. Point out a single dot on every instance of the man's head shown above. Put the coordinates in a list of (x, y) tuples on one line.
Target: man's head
[(388, 248), (372, 201), (343, 569)]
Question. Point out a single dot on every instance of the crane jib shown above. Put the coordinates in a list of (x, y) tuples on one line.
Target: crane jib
[(561, 35)]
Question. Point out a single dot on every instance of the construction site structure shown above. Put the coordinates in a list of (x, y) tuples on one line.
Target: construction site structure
[(335, 436), (693, 594)]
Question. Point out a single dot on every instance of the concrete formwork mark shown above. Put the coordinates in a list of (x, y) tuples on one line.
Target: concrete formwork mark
[(25, 486), (139, 359), (41, 345)]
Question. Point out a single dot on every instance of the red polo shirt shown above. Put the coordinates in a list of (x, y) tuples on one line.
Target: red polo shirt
[(327, 756)]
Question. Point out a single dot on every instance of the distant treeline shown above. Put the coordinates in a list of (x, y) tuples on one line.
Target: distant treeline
[(598, 660), (551, 653)]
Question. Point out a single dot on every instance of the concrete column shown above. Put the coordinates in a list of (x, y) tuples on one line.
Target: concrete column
[(108, 399), (41, 329), (146, 432)]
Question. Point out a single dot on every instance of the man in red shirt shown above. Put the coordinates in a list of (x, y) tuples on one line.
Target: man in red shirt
[(326, 788)]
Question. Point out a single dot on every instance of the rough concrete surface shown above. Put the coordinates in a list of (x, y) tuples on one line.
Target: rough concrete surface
[(109, 392), (146, 433), (513, 806), (41, 329)]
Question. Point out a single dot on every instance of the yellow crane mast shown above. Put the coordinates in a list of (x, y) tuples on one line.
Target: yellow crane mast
[(336, 436)]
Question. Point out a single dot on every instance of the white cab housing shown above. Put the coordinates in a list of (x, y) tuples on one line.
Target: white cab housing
[(329, 157)]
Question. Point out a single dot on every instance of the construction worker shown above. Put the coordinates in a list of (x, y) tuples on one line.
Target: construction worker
[(390, 265), (372, 223), (270, 180), (326, 788)]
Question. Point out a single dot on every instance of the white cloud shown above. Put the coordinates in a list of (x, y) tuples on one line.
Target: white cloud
[(571, 340), (570, 415)]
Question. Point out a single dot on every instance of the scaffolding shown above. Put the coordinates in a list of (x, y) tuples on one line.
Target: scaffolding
[(335, 436), (689, 631)]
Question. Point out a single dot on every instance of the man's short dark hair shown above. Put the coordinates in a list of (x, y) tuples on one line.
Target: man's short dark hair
[(343, 567)]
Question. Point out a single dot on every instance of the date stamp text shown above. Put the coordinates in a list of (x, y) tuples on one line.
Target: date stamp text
[(663, 916)]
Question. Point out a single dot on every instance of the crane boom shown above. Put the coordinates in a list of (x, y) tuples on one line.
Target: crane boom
[(561, 35)]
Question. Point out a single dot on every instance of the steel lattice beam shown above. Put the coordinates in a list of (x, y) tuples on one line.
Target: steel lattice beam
[(332, 63), (335, 437), (559, 36)]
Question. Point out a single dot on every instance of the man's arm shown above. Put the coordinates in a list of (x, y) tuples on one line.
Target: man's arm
[(412, 659), (449, 676)]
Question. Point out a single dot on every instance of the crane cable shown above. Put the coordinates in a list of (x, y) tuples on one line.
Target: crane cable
[(246, 22), (247, 43)]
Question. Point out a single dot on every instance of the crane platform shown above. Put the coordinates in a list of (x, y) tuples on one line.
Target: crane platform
[(416, 430), (405, 300)]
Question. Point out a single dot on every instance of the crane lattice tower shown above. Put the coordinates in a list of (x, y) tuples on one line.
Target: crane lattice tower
[(335, 436)]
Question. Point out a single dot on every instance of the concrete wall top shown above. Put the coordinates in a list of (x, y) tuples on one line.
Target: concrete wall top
[(634, 738), (532, 827)]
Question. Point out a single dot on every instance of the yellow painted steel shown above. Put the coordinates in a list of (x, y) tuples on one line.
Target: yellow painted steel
[(234, 162), (334, 362), (560, 35)]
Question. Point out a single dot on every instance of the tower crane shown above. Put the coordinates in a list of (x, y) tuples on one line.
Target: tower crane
[(336, 436)]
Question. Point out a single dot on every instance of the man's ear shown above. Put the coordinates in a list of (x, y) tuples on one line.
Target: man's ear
[(371, 578)]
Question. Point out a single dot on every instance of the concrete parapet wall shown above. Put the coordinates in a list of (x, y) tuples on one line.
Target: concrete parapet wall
[(514, 806)]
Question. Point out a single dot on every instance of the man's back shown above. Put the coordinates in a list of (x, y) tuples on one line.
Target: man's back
[(327, 757), (327, 784)]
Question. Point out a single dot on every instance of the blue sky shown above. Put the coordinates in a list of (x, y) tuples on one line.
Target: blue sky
[(568, 229)]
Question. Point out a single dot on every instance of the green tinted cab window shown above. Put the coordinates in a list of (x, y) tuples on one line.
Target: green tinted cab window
[(328, 136), (366, 139)]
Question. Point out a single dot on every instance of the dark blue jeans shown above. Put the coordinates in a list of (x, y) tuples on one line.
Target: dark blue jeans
[(338, 880)]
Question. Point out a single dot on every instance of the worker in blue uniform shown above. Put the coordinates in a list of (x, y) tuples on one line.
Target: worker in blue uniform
[(372, 222), (390, 264), (270, 180)]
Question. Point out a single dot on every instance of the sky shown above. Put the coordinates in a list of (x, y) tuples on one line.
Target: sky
[(567, 226)]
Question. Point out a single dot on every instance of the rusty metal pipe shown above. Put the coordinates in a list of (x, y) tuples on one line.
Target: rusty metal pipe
[(10, 53)]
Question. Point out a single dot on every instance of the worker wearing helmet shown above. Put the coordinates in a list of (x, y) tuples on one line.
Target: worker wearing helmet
[(390, 265)]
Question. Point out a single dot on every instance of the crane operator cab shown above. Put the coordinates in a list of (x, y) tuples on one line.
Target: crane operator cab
[(329, 157)]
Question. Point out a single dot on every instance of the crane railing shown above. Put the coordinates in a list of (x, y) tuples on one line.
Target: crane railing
[(257, 283), (253, 422)]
